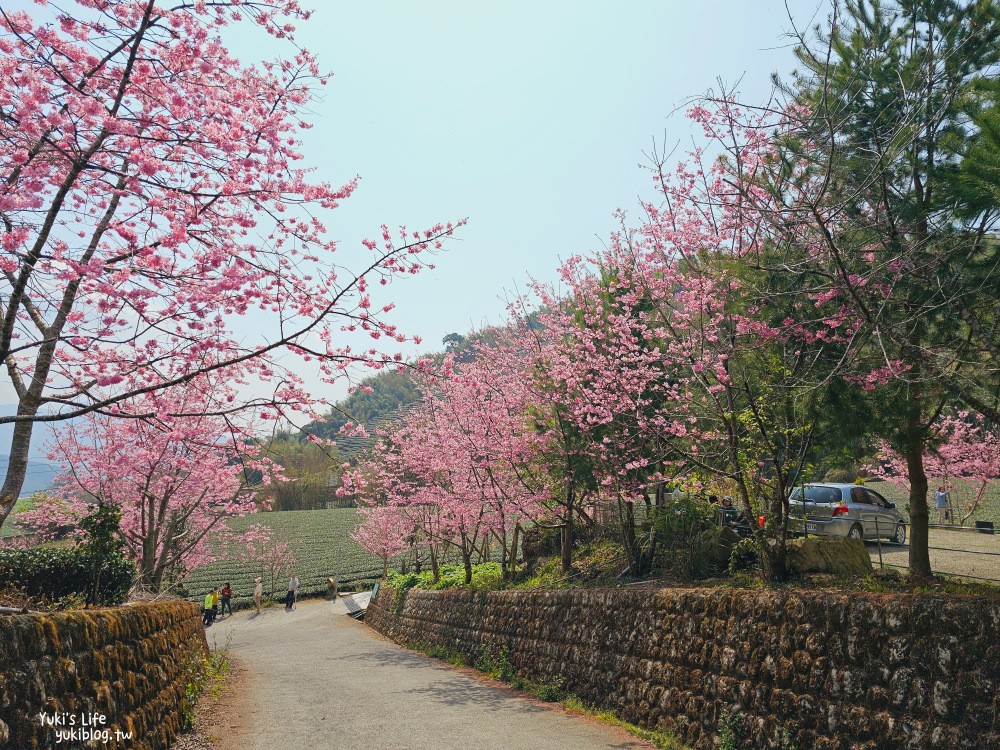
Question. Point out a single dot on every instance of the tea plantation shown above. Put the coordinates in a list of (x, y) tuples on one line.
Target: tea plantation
[(321, 543)]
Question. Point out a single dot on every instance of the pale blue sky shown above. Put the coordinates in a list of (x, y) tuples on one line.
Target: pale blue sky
[(529, 118)]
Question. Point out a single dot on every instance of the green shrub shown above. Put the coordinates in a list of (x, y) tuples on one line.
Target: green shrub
[(484, 575), (101, 546), (744, 556), (731, 731), (202, 672), (496, 663), (56, 573), (690, 537), (550, 691)]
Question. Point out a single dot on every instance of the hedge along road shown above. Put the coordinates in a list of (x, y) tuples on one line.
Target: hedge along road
[(315, 679)]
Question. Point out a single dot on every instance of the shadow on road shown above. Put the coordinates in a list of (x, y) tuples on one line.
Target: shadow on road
[(467, 692), (392, 659)]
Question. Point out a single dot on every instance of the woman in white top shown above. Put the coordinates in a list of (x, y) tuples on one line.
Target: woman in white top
[(258, 592)]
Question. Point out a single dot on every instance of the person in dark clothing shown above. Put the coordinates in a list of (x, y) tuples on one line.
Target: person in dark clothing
[(225, 599)]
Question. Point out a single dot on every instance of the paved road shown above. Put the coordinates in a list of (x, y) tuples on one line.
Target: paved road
[(318, 680), (955, 552)]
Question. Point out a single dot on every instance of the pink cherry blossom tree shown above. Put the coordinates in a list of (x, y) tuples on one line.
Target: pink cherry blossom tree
[(151, 196), (177, 475), (383, 532), (678, 357), (963, 455), (462, 469)]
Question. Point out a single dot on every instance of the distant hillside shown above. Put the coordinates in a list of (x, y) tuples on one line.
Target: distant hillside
[(41, 435), (40, 472), (38, 477), (384, 399), (349, 447), (390, 392)]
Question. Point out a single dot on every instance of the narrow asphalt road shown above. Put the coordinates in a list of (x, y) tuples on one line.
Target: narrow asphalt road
[(315, 679)]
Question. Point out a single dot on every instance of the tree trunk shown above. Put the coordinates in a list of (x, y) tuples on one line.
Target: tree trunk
[(776, 537), (512, 558), (435, 571), (147, 565), (566, 546), (920, 560), (773, 560), (17, 465), (626, 512), (566, 538), (467, 561)]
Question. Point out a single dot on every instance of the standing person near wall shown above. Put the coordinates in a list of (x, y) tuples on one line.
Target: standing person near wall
[(293, 587), (210, 606), (258, 591)]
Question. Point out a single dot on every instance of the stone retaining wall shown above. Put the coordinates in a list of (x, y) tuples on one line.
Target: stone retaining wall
[(800, 670), (129, 664)]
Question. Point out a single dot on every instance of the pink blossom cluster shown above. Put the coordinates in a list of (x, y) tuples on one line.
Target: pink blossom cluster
[(964, 458), (153, 194)]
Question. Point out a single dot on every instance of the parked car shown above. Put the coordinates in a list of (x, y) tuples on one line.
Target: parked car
[(847, 510)]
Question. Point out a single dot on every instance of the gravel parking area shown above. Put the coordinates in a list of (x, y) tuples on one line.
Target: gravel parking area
[(962, 553)]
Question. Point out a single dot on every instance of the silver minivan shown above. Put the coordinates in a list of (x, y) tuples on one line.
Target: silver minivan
[(847, 510)]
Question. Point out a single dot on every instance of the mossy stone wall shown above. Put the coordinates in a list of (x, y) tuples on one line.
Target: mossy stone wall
[(805, 670), (129, 663)]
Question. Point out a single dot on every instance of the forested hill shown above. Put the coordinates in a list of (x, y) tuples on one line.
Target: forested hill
[(390, 393), (386, 395)]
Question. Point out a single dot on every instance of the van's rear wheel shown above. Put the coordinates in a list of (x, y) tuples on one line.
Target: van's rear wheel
[(856, 532)]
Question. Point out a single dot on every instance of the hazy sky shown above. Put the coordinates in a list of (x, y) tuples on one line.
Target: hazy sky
[(528, 118)]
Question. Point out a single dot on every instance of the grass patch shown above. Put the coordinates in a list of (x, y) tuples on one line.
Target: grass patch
[(204, 675), (594, 564), (443, 653), (658, 738), (877, 583)]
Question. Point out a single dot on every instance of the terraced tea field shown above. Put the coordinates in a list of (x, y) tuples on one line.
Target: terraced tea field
[(321, 543)]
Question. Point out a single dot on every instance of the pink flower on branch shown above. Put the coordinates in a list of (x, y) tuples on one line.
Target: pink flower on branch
[(178, 475), (152, 197)]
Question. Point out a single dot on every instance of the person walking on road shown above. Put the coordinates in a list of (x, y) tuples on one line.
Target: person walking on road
[(293, 587), (258, 592)]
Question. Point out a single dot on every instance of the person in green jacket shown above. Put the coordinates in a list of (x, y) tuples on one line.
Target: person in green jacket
[(211, 605)]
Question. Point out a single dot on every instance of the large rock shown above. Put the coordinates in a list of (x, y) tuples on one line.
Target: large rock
[(719, 548), (829, 555)]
